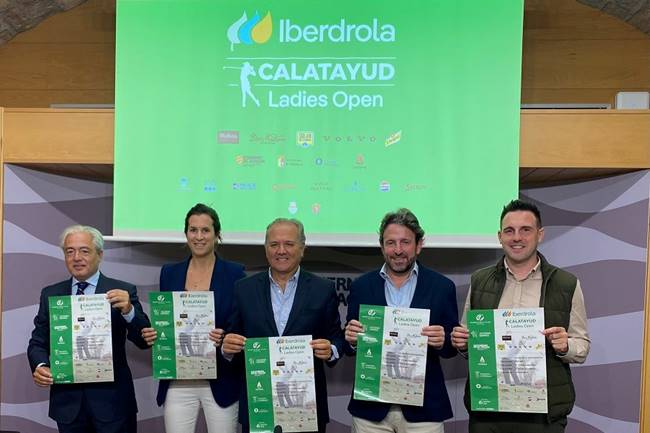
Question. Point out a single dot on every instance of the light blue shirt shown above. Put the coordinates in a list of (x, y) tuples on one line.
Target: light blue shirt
[(399, 297), (282, 301), (92, 288)]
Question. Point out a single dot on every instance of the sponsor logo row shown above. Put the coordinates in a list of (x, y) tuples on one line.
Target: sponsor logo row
[(209, 186), (283, 161), (306, 139)]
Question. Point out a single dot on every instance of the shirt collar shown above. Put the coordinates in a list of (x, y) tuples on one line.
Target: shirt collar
[(385, 276), (293, 278), (93, 280), (532, 271)]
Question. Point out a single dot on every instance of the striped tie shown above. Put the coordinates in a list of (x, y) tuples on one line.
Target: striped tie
[(81, 286)]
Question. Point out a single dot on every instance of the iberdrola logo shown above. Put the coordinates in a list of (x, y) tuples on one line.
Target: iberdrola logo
[(249, 31)]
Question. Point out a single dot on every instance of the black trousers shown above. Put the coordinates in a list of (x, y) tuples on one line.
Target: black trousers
[(87, 423)]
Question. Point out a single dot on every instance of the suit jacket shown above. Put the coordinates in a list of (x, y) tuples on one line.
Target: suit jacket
[(107, 401), (437, 293), (225, 388), (314, 312)]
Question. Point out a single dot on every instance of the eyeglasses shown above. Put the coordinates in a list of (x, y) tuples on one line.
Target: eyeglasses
[(83, 252)]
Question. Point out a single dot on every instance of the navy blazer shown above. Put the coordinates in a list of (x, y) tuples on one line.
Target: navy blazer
[(437, 293), (314, 312), (108, 401), (225, 388)]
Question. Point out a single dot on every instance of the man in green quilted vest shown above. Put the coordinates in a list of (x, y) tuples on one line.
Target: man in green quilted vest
[(524, 279)]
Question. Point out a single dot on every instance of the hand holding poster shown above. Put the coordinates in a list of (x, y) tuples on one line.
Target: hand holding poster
[(183, 321), (81, 344), (507, 360), (280, 384), (391, 355)]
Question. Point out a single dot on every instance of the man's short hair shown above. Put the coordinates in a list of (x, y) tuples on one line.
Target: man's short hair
[(403, 217), (96, 235), (204, 209), (295, 222), (520, 205)]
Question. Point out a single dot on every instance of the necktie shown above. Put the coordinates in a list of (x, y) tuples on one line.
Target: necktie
[(81, 286)]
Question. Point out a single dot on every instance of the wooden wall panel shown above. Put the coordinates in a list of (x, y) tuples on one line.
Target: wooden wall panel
[(68, 58), (576, 54), (581, 64), (45, 66), (570, 20), (585, 139), (58, 136)]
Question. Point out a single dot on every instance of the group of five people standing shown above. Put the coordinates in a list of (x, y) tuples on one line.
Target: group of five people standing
[(287, 300)]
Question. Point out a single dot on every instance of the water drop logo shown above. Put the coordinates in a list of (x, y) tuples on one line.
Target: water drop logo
[(248, 31)]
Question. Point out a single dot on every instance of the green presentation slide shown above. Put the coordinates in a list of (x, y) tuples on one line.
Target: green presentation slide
[(333, 112)]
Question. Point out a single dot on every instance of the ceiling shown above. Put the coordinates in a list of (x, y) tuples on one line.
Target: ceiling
[(633, 12), (18, 15)]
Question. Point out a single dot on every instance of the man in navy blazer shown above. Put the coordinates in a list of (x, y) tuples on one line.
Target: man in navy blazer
[(287, 300), (103, 407), (403, 282)]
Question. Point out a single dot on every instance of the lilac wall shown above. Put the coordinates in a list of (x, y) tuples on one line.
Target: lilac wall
[(595, 229)]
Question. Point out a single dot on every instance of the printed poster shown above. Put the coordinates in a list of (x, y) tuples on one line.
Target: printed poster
[(280, 384), (183, 321), (507, 360), (391, 355), (81, 345)]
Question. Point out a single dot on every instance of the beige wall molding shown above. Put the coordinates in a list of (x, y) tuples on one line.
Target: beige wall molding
[(585, 138), (67, 136), (549, 138)]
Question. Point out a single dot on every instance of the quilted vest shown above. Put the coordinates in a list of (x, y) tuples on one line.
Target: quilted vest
[(556, 297)]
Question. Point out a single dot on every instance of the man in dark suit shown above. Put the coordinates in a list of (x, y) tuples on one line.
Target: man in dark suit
[(103, 407), (287, 300), (403, 282)]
